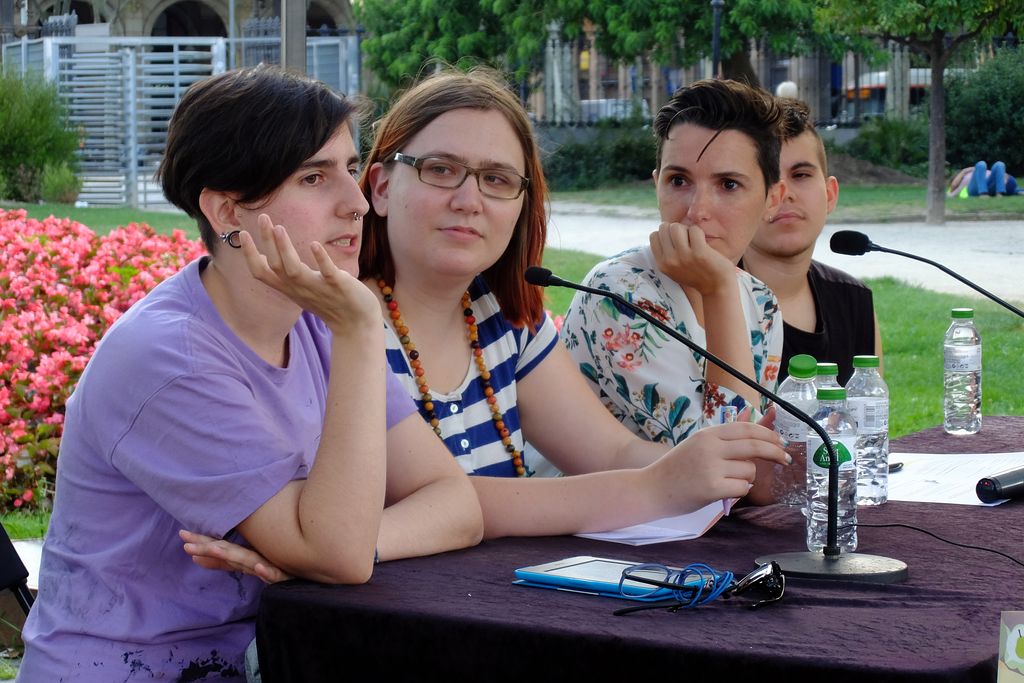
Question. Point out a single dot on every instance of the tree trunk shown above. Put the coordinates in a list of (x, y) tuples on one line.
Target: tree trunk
[(936, 213), (739, 68)]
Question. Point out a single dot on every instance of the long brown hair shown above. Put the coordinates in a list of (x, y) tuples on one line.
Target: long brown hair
[(483, 89)]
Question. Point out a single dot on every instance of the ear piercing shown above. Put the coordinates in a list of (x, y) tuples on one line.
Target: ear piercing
[(231, 239)]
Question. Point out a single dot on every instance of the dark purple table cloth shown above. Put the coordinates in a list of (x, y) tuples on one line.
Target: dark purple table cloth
[(457, 616)]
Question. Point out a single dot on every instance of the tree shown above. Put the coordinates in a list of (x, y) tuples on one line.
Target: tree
[(510, 34), (654, 27), (403, 35), (983, 111), (937, 29)]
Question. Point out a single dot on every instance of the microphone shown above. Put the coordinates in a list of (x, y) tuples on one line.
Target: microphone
[(853, 243), (1005, 485), (832, 563)]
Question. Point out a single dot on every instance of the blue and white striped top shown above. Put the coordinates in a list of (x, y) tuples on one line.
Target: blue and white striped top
[(465, 417)]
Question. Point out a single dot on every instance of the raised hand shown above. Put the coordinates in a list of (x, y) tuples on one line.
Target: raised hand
[(682, 252), (335, 296)]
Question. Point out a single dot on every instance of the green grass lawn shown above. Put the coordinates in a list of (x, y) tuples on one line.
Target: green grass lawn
[(25, 524), (857, 203), (913, 321)]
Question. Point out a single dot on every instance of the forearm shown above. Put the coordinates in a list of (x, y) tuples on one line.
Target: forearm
[(443, 515), (728, 338), (341, 503), (568, 505), (637, 452)]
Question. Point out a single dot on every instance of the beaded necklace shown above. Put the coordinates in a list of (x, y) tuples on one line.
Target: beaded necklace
[(478, 357)]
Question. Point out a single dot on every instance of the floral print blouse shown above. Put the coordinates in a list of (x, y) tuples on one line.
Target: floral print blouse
[(653, 384)]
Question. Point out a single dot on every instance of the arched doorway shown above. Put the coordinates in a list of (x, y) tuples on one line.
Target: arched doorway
[(318, 18), (189, 18), (84, 11)]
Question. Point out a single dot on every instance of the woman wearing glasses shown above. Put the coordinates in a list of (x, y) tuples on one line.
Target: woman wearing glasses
[(456, 216)]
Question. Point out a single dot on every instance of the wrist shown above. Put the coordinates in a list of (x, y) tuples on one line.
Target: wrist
[(657, 492), (723, 287), (369, 335)]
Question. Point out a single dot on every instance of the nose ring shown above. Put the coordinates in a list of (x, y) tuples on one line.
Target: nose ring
[(356, 216)]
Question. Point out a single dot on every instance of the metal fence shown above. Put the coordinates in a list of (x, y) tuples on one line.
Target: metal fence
[(261, 40), (120, 93)]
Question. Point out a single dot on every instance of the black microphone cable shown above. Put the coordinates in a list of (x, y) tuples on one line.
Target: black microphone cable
[(1011, 558)]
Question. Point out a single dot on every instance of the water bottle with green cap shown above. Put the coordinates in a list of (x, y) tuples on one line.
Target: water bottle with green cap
[(839, 425), (789, 485), (828, 376)]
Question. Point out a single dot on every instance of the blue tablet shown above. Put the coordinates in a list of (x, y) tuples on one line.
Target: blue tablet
[(593, 575)]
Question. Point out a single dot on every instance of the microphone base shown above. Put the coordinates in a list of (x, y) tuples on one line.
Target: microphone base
[(846, 567)]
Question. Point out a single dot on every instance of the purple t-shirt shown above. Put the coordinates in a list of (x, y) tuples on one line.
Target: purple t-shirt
[(175, 423)]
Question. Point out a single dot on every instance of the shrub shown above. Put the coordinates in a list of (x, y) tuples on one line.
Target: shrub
[(60, 184), (25, 183), (901, 144), (616, 154), (32, 134), (61, 287), (983, 113)]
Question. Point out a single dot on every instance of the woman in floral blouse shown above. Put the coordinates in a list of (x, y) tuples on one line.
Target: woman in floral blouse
[(717, 176)]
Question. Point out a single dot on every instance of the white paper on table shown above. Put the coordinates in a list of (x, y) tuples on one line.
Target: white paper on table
[(947, 477), (680, 528)]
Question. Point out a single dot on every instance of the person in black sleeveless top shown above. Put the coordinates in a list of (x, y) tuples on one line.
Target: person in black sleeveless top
[(826, 313)]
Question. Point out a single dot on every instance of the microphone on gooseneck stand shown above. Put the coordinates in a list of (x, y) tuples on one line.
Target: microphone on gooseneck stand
[(853, 243), (831, 562)]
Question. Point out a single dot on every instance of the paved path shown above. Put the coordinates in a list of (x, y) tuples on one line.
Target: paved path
[(990, 253)]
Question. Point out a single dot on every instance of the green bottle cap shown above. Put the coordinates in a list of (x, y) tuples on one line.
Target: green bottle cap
[(963, 312), (803, 366), (865, 361), (831, 394), (828, 369)]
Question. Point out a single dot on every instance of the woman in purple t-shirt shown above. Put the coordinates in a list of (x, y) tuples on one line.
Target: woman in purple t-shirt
[(247, 397)]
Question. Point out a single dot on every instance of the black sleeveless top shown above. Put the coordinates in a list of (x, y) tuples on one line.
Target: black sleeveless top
[(846, 324)]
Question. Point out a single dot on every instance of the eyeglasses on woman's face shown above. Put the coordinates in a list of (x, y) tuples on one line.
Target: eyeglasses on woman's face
[(497, 183)]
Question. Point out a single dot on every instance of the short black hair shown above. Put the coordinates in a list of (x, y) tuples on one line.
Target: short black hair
[(719, 105), (796, 120), (245, 131)]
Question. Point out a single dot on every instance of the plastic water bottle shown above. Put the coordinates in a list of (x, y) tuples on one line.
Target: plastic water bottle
[(962, 353), (867, 399), (828, 376), (838, 424), (790, 483)]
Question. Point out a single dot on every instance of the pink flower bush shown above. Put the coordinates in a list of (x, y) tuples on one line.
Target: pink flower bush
[(61, 287)]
